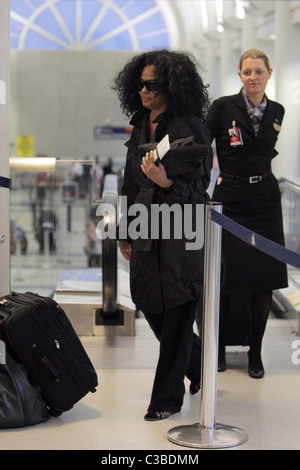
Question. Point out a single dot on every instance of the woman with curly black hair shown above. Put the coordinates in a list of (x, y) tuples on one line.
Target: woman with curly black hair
[(177, 79), (163, 94)]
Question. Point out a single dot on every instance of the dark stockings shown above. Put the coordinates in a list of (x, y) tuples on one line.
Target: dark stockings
[(261, 306)]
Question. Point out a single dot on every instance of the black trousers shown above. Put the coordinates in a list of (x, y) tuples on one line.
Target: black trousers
[(179, 356)]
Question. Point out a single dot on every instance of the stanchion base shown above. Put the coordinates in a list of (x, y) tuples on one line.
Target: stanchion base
[(195, 435)]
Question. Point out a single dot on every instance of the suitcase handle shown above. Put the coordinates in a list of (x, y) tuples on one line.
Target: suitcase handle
[(45, 360)]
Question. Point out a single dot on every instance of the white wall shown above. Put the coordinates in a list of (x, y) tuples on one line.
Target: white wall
[(287, 71), (59, 96)]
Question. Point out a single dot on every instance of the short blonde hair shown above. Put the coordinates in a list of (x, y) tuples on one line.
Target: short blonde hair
[(255, 54)]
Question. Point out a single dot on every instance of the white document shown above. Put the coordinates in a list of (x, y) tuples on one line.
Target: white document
[(162, 147)]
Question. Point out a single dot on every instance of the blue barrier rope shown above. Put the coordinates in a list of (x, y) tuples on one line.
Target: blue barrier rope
[(263, 244)]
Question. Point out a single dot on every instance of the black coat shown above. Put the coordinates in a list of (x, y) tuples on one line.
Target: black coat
[(256, 206), (163, 273)]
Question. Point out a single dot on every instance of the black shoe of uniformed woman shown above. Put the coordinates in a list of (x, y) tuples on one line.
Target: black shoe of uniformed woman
[(221, 358), (255, 367), (222, 366), (194, 387), (256, 374), (157, 415)]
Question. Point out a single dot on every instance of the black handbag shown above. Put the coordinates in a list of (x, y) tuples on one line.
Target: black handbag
[(21, 403), (184, 158)]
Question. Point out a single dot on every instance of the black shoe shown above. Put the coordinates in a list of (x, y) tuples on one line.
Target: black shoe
[(194, 387), (255, 368), (221, 358), (256, 374), (221, 366), (157, 415)]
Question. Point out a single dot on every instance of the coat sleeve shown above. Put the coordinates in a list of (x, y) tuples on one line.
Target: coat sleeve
[(129, 187), (212, 121), (185, 190), (130, 190)]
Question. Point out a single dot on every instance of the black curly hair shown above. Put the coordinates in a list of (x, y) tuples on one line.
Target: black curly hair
[(180, 83)]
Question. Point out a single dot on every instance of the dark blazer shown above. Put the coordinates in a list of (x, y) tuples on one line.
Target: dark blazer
[(255, 155)]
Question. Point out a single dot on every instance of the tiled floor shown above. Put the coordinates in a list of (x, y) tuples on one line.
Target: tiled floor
[(112, 418)]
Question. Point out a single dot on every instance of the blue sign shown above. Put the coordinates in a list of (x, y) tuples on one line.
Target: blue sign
[(110, 132)]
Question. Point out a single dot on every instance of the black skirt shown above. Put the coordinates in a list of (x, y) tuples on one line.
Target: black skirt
[(257, 207), (247, 270)]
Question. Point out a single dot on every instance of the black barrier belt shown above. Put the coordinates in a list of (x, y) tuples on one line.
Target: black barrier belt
[(5, 182), (263, 244)]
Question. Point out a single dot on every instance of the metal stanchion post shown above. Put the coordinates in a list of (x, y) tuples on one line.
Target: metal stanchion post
[(206, 433)]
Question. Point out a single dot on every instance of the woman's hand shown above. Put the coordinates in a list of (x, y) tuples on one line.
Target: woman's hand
[(125, 248), (155, 173)]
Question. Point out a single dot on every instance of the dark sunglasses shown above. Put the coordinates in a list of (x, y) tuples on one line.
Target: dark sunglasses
[(151, 85)]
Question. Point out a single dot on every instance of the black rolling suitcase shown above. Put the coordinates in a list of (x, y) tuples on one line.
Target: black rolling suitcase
[(38, 333)]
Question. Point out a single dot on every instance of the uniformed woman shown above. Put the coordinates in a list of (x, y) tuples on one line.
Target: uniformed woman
[(246, 127)]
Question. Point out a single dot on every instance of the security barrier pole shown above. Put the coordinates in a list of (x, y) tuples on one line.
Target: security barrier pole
[(206, 433)]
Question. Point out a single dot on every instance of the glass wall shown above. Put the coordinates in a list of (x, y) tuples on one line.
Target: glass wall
[(53, 220), (290, 190)]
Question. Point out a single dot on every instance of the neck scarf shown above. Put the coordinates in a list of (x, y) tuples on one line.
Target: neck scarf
[(255, 112)]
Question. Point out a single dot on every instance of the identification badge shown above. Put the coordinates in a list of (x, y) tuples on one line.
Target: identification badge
[(235, 135), (277, 127), (219, 180)]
